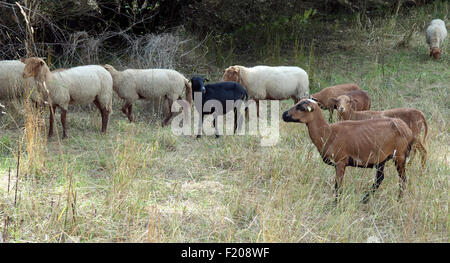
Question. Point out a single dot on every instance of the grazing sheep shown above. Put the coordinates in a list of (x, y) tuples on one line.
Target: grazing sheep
[(357, 100), (134, 84), (436, 34), (270, 83), (365, 144), (323, 97), (78, 85), (221, 92), (12, 84), (412, 117)]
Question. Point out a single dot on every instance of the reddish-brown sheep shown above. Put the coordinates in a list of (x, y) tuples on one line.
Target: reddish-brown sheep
[(357, 100), (412, 117), (365, 144), (323, 97)]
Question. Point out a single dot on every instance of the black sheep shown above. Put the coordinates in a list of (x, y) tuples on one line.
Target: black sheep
[(221, 92)]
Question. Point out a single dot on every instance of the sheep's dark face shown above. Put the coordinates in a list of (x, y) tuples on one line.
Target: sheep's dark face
[(198, 84), (435, 53), (231, 74), (301, 112)]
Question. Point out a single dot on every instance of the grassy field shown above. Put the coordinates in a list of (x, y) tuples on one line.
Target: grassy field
[(140, 183)]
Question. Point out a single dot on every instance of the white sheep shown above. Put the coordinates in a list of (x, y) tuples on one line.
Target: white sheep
[(133, 84), (270, 83), (78, 85), (436, 34), (12, 84)]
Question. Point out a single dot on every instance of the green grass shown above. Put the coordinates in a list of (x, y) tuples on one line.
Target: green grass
[(140, 183)]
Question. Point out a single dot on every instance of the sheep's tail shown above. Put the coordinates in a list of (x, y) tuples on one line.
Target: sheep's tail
[(188, 91)]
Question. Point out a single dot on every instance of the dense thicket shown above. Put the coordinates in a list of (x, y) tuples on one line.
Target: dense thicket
[(59, 25)]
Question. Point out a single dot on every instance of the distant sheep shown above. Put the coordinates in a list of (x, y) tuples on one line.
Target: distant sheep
[(324, 96), (133, 84), (365, 144), (12, 84), (78, 85), (436, 34), (412, 117), (270, 83), (357, 100)]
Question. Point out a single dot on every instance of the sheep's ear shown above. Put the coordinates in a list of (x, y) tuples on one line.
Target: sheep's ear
[(41, 62), (333, 100)]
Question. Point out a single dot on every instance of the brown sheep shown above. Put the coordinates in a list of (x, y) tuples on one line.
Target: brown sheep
[(357, 100), (412, 117), (323, 97), (365, 144)]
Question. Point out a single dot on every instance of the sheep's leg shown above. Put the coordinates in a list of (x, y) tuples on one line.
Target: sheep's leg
[(257, 108), (104, 113), (105, 119), (376, 184), (130, 114), (63, 122), (127, 109), (400, 164), (169, 113), (215, 126), (51, 120), (340, 170), (423, 153)]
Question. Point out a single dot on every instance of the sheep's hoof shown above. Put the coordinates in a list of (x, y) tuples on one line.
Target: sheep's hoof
[(217, 136), (64, 137), (198, 136)]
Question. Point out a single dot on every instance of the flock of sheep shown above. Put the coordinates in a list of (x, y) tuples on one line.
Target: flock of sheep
[(362, 138)]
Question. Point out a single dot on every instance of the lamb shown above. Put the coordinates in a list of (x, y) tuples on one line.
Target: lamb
[(323, 97), (357, 100), (270, 83), (134, 84), (436, 34), (78, 85), (414, 118), (12, 84), (365, 144)]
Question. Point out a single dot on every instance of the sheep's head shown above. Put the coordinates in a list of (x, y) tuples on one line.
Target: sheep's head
[(198, 84), (343, 103), (435, 53), (231, 74), (36, 68), (301, 112), (109, 68)]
